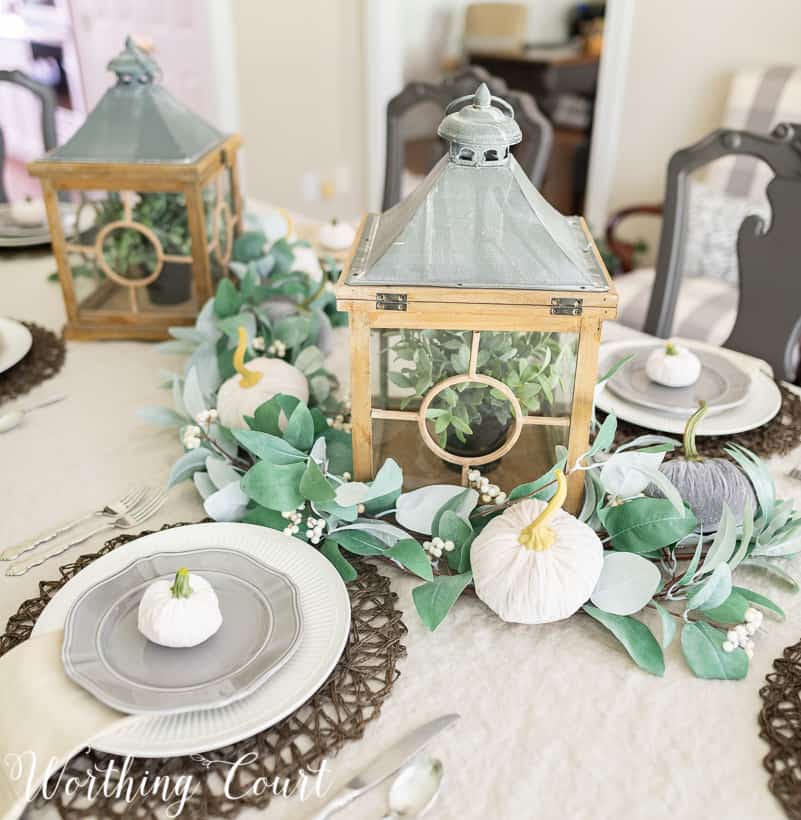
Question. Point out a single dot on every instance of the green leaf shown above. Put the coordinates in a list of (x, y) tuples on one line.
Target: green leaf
[(615, 367), (758, 474), (249, 246), (745, 538), (434, 600), (771, 567), (314, 485), (226, 300), (300, 429), (410, 554), (668, 625), (265, 518), (330, 550), (339, 451), (275, 486), (266, 418), (756, 598), (462, 503), (384, 488), (693, 565), (731, 611), (635, 637), (456, 528), (722, 546), (713, 591), (358, 542), (534, 488), (292, 330), (604, 438), (702, 646), (163, 416), (268, 447), (644, 524), (188, 464)]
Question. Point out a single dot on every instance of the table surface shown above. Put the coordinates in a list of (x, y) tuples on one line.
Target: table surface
[(556, 721)]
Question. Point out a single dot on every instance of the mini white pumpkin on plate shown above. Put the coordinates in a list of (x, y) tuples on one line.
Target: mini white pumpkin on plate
[(536, 563), (336, 235), (255, 384), (182, 614), (672, 365)]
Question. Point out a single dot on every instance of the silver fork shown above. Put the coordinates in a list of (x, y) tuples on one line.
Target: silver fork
[(114, 509), (134, 517)]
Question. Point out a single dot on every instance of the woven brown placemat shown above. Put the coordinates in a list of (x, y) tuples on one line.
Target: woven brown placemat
[(780, 724), (778, 437), (339, 711), (43, 360)]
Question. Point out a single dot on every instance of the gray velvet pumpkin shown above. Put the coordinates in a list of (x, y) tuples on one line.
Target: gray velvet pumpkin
[(706, 484)]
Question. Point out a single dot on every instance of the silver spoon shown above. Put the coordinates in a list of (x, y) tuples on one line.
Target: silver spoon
[(12, 419), (415, 789)]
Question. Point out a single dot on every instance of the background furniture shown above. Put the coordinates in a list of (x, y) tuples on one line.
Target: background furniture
[(767, 315), (47, 100), (532, 153), (495, 26)]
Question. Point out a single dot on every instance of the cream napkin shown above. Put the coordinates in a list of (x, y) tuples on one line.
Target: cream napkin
[(45, 719)]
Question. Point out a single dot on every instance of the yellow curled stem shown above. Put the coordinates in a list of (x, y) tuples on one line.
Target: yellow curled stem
[(249, 377), (536, 536)]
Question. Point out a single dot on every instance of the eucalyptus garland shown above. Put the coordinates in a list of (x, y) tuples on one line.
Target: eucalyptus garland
[(291, 471)]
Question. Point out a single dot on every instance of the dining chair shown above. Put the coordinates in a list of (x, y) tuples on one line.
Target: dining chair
[(532, 153), (48, 101), (767, 309)]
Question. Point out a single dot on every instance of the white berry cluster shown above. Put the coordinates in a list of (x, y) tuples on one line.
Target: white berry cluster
[(277, 348), (294, 517), (489, 493), (205, 417), (258, 343), (436, 546), (338, 423), (191, 437), (316, 527), (740, 635)]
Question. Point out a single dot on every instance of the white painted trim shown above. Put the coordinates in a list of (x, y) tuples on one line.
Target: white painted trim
[(222, 53), (383, 79), (608, 120)]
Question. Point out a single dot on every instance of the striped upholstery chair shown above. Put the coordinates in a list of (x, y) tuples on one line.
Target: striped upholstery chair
[(732, 188)]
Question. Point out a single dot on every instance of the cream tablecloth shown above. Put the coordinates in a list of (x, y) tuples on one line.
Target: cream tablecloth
[(557, 722)]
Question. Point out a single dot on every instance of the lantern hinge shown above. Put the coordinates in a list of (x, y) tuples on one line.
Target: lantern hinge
[(390, 301), (561, 306)]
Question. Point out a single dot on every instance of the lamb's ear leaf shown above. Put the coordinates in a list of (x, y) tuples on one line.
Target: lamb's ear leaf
[(434, 600), (636, 638)]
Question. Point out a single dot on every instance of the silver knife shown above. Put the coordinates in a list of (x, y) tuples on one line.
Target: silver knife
[(386, 764)]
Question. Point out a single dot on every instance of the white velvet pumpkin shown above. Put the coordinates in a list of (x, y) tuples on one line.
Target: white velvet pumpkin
[(673, 366), (179, 613), (255, 383), (234, 402), (536, 586), (337, 236)]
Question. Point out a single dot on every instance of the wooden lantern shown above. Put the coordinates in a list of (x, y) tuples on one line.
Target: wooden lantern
[(475, 318), (153, 208)]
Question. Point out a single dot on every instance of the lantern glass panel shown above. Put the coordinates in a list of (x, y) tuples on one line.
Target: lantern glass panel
[(130, 252), (220, 219), (444, 400)]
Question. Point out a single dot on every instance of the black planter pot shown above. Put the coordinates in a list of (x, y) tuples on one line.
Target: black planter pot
[(173, 286), (488, 435)]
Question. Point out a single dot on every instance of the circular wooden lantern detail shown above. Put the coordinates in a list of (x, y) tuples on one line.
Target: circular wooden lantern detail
[(116, 276), (477, 378)]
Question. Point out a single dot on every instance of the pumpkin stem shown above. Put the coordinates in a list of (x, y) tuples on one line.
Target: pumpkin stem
[(536, 536), (249, 377), (690, 450), (670, 349), (180, 586)]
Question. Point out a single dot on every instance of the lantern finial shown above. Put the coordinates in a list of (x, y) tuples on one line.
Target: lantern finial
[(134, 65), (480, 129), (483, 98)]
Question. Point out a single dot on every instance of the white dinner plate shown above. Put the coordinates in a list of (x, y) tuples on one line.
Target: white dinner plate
[(15, 342), (764, 402), (325, 610)]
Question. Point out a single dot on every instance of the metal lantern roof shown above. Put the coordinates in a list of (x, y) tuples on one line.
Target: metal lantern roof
[(477, 221), (138, 120)]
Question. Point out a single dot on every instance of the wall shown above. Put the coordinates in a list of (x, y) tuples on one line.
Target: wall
[(300, 78), (681, 56)]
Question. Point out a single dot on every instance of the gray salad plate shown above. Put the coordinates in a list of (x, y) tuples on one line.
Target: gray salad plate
[(722, 384), (104, 652)]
